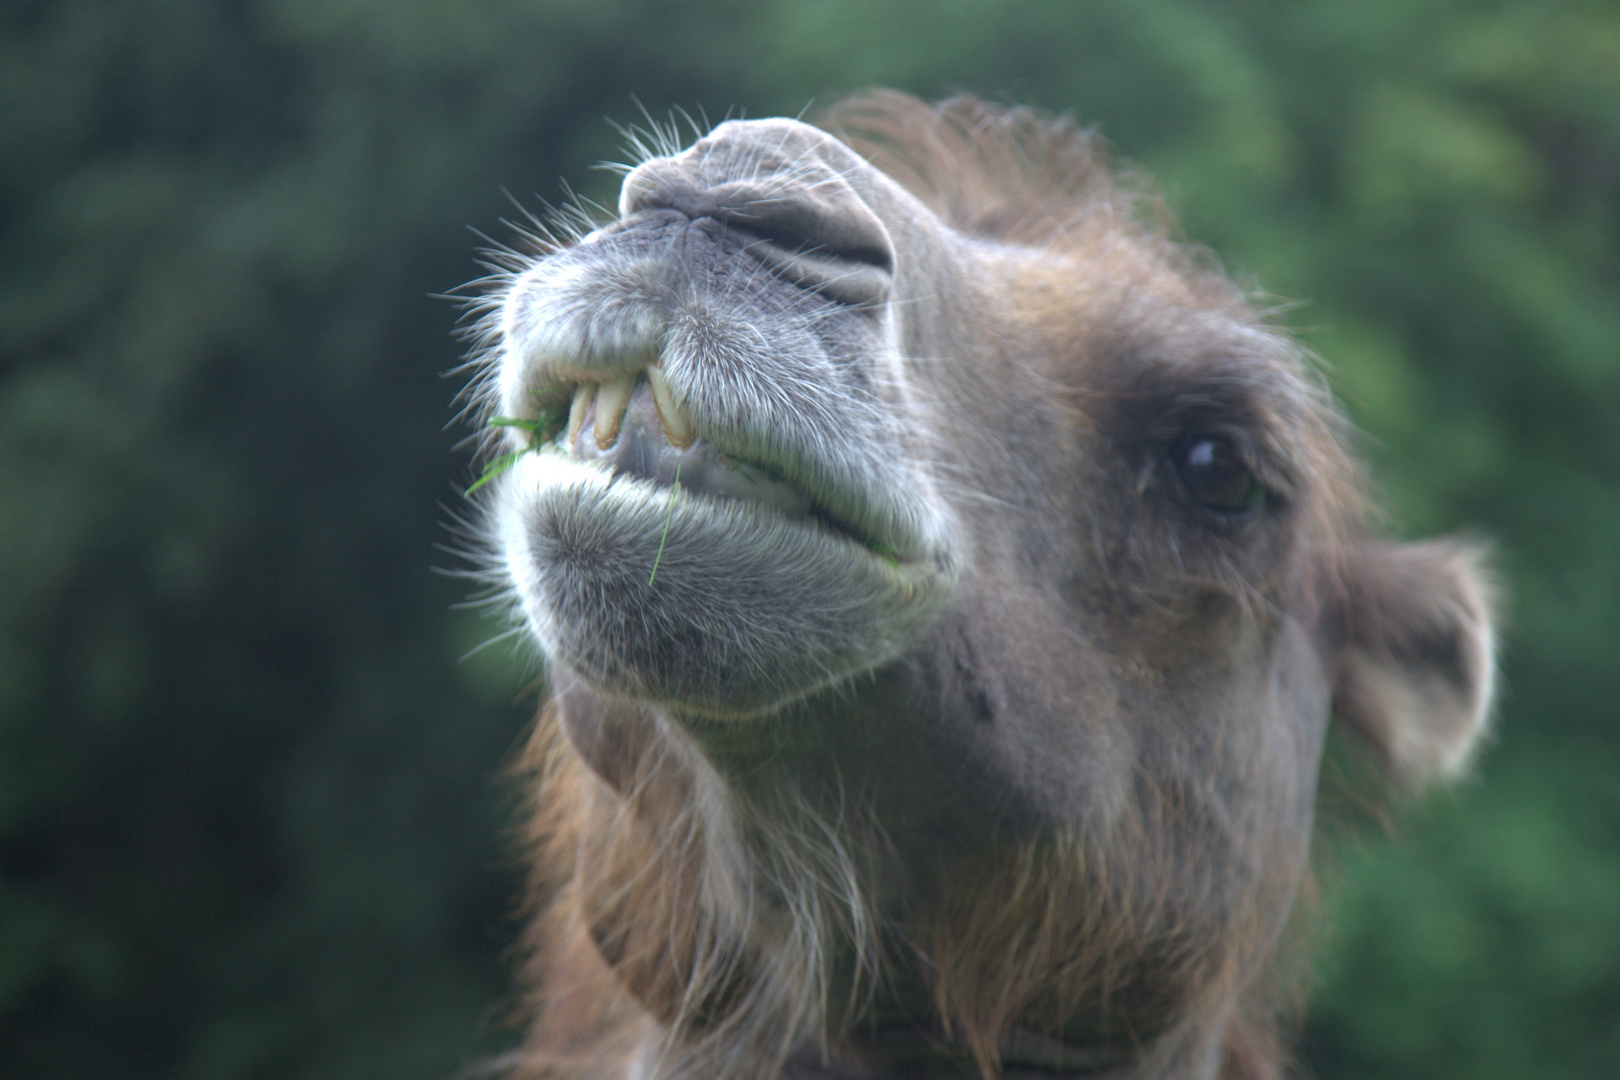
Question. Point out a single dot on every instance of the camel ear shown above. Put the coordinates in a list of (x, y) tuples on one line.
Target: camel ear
[(1413, 640)]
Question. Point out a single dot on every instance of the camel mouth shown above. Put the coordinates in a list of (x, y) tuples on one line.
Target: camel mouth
[(727, 505), (631, 423), (690, 567)]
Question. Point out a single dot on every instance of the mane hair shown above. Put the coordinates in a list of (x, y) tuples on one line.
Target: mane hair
[(729, 947), (1016, 175), (718, 916)]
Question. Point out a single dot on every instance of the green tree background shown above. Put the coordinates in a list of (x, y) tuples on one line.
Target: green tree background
[(249, 820)]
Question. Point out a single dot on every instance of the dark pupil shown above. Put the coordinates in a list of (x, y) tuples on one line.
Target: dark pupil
[(1217, 477)]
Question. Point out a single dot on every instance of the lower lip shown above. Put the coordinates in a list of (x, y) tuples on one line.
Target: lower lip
[(612, 601)]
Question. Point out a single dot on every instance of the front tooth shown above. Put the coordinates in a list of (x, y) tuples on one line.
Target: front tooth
[(677, 425), (610, 402), (583, 393)]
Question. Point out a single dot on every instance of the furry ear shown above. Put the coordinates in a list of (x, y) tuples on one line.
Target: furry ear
[(1411, 638)]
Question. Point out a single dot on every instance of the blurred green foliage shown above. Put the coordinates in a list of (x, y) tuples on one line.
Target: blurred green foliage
[(249, 825)]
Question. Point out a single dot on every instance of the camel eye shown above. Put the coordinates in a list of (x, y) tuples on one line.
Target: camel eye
[(1217, 476)]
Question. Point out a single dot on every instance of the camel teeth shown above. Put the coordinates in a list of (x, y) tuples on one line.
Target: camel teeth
[(611, 400), (676, 423), (584, 393)]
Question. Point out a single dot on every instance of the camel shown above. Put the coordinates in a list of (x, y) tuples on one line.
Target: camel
[(948, 582)]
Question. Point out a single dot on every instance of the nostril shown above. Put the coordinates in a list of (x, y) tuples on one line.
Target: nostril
[(793, 227), (820, 252), (798, 235), (803, 200)]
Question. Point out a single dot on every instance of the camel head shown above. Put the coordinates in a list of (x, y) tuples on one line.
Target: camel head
[(948, 583)]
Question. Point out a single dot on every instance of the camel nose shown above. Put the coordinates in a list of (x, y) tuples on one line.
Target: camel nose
[(782, 180)]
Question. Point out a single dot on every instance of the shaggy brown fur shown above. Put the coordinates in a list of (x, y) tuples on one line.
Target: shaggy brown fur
[(876, 879)]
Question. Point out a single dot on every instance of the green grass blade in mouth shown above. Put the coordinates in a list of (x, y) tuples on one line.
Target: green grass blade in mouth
[(538, 428), (498, 466), (533, 427), (673, 488)]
